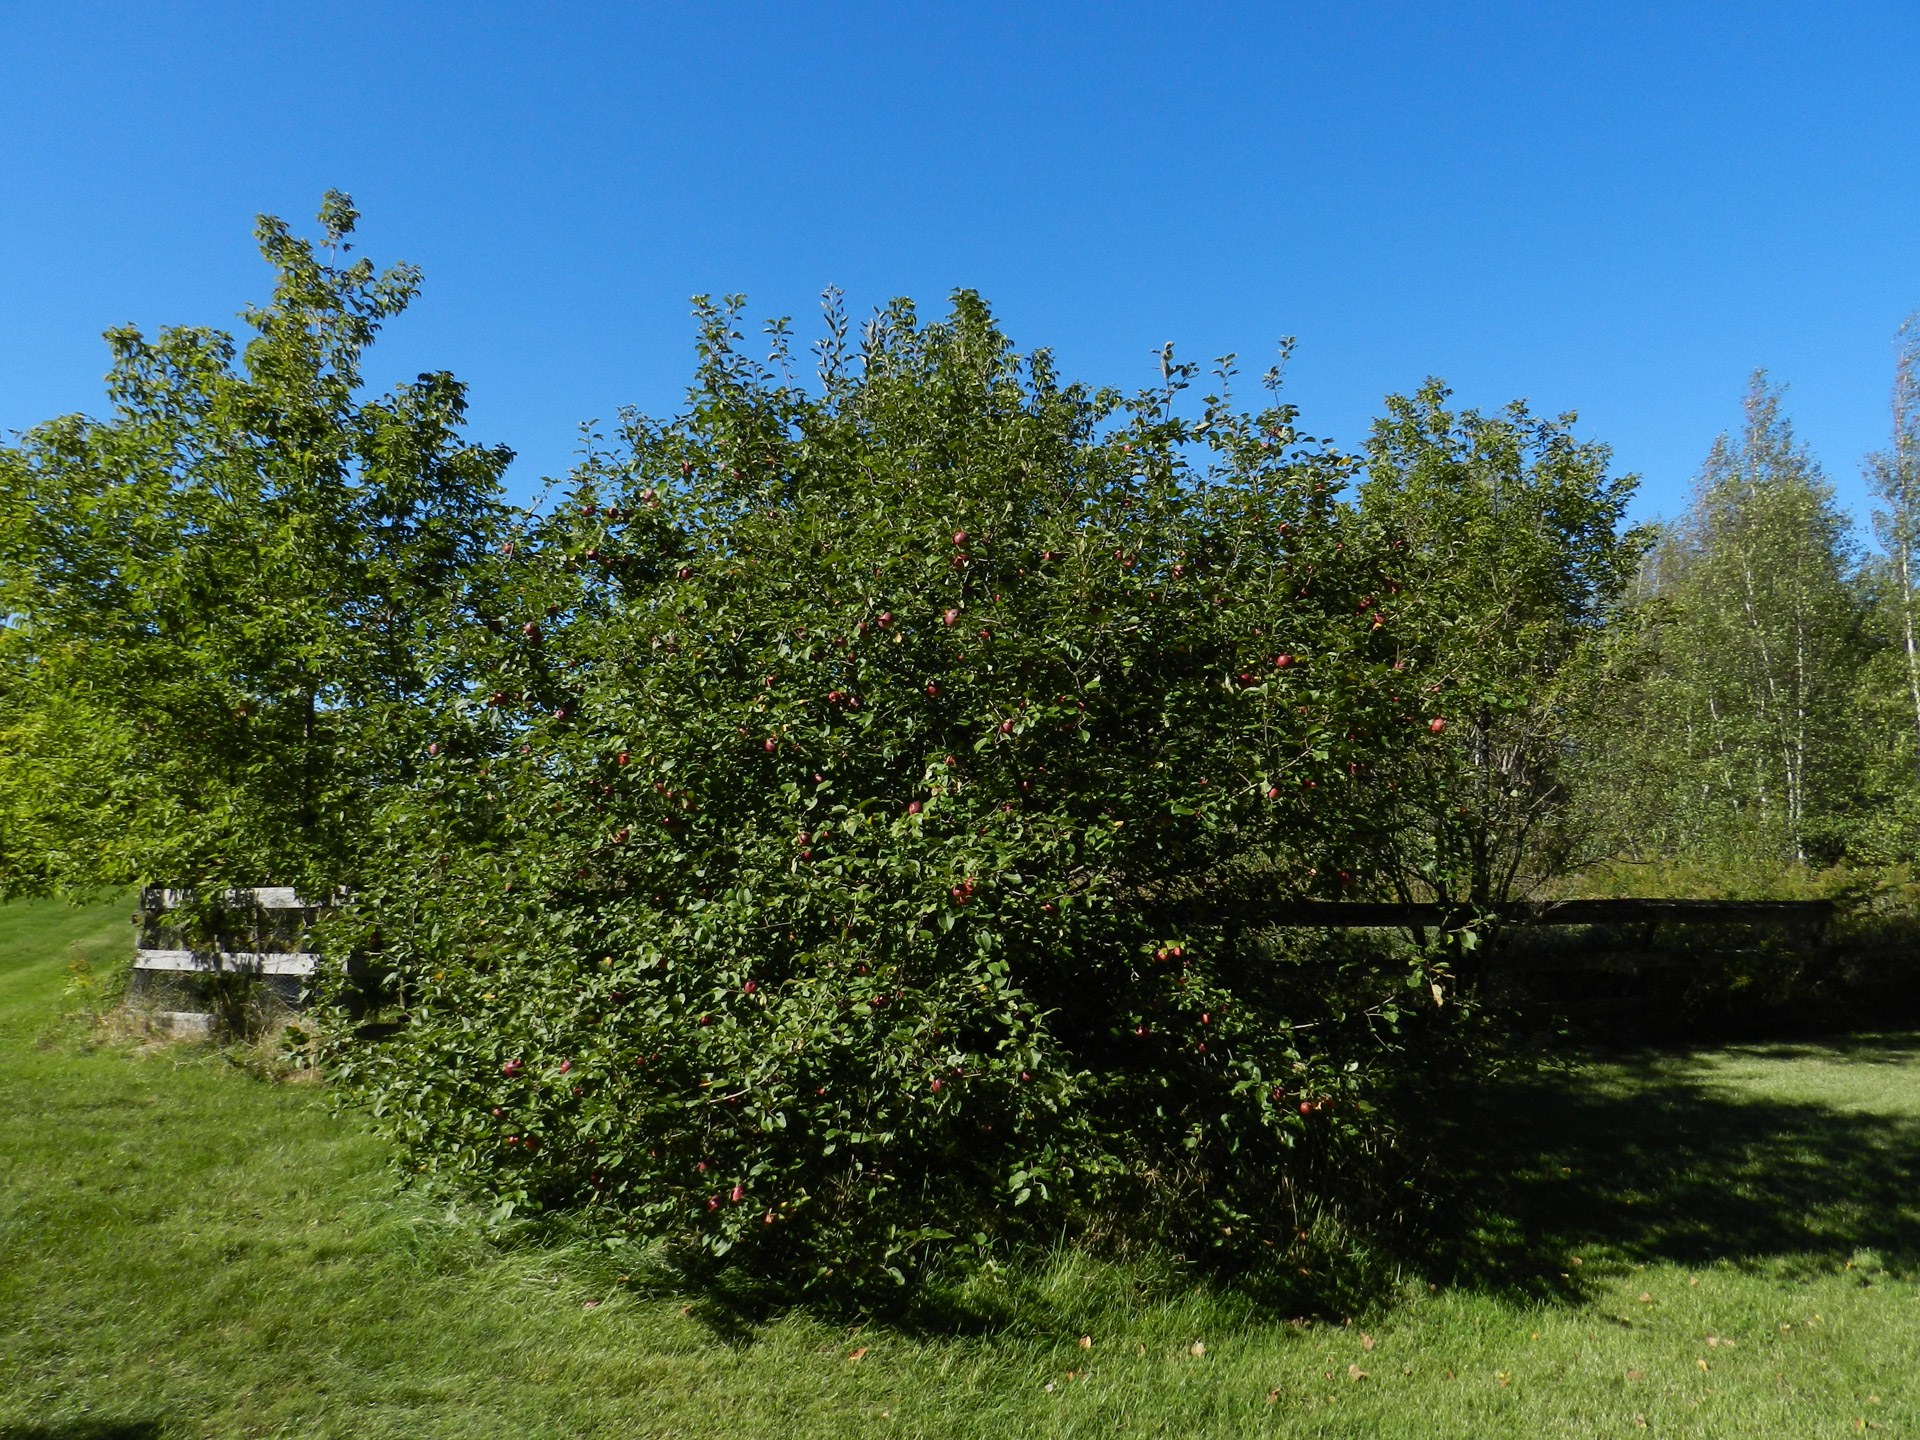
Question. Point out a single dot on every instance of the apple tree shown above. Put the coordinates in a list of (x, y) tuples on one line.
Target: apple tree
[(824, 871)]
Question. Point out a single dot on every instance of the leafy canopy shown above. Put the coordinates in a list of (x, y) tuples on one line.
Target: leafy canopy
[(221, 598), (827, 869)]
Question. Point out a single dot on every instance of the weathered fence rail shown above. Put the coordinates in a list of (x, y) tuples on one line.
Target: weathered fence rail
[(1387, 914), (192, 963)]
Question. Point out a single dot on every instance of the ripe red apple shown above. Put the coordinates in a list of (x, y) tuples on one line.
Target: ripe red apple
[(1281, 662), (750, 987), (683, 573), (512, 1067), (932, 689), (913, 807), (622, 758), (1436, 725), (434, 749), (771, 745), (565, 1066), (959, 537), (1305, 1108), (1006, 727), (886, 619), (739, 1194), (1272, 794), (951, 617)]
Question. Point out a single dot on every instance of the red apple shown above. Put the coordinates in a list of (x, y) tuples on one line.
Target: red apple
[(771, 745), (1305, 1108), (1281, 662), (1436, 725), (952, 617), (959, 537)]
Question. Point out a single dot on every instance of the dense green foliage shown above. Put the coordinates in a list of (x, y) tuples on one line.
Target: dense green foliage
[(836, 833), (827, 871), (1517, 564), (220, 597)]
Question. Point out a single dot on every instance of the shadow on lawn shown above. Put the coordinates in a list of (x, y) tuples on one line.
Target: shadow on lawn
[(1652, 1160), (91, 1429)]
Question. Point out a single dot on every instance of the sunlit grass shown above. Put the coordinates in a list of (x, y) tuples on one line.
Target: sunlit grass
[(187, 1250)]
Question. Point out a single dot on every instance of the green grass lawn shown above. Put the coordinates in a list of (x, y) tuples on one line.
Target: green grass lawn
[(188, 1250)]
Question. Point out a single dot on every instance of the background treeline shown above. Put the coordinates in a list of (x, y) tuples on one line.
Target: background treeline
[(1767, 717)]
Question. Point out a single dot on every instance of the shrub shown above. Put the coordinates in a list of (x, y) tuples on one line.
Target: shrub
[(830, 869)]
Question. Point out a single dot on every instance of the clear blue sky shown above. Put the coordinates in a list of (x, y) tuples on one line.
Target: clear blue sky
[(1619, 209)]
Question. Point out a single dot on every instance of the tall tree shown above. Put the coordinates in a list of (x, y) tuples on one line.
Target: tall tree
[(1512, 558), (220, 599), (1761, 647), (1894, 474)]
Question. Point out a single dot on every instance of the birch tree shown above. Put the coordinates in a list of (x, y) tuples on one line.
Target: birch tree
[(1762, 647), (1894, 474)]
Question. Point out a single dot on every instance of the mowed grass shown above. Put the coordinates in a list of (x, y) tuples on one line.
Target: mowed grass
[(189, 1250)]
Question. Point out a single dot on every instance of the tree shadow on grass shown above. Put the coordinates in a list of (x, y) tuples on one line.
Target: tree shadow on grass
[(1657, 1160), (88, 1429)]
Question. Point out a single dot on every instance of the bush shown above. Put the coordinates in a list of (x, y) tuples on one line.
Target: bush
[(823, 880)]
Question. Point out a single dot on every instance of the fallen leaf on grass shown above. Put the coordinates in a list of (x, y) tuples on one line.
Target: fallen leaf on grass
[(1272, 1395), (1635, 1375), (1645, 1298), (1196, 1349), (1701, 1363), (855, 1355), (1366, 1341), (1640, 1420), (1503, 1377), (1086, 1342), (1354, 1372)]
